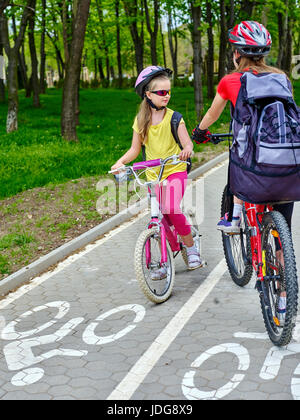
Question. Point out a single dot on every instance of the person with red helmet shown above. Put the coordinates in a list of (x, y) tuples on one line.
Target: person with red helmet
[(251, 42), (152, 129)]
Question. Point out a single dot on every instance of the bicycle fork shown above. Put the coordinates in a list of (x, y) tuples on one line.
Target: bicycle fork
[(258, 255)]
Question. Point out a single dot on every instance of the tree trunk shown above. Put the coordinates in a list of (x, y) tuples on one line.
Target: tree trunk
[(73, 67), (230, 23), (42, 52), (12, 54), (59, 59), (223, 40), (2, 86), (247, 8), (153, 33), (287, 58), (66, 29), (100, 67), (13, 99), (210, 52), (34, 62), (119, 60), (131, 10), (23, 71), (173, 47), (105, 45), (3, 5), (163, 45), (197, 58)]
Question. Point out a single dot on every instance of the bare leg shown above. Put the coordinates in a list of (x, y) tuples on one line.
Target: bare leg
[(188, 240)]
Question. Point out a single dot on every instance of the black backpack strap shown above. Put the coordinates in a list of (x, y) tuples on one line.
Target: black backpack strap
[(175, 120), (143, 153)]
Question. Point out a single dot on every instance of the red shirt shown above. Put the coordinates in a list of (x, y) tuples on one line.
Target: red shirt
[(229, 87)]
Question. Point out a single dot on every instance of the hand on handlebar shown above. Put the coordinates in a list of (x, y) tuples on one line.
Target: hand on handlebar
[(201, 136), (185, 153), (117, 167)]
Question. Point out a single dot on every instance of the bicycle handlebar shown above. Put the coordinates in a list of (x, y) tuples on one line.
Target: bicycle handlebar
[(217, 138), (149, 164)]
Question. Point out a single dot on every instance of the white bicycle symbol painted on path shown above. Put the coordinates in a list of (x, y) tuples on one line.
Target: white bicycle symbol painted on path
[(19, 352), (269, 370)]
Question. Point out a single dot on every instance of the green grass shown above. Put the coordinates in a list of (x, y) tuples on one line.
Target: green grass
[(36, 155)]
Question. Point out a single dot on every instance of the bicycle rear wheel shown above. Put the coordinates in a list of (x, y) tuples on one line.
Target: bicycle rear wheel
[(237, 248), (280, 278), (157, 291)]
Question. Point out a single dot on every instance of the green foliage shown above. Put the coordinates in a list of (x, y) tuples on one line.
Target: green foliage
[(36, 155)]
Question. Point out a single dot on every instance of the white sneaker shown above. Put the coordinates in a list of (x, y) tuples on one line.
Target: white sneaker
[(281, 311), (194, 259)]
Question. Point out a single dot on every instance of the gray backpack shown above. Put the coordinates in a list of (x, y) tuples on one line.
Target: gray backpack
[(265, 153)]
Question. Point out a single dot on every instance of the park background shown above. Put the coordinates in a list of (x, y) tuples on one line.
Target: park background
[(67, 101)]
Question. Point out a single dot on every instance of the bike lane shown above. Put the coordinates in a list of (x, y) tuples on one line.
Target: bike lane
[(86, 331)]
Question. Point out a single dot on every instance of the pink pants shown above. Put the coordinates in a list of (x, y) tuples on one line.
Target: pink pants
[(169, 197)]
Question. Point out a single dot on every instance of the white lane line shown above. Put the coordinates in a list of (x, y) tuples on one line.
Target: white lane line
[(144, 365)]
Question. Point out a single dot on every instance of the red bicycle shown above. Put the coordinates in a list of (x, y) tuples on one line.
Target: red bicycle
[(264, 245)]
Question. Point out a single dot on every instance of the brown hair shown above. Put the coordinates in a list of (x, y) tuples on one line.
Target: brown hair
[(144, 115), (258, 65)]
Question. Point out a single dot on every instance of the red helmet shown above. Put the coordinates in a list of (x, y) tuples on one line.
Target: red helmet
[(250, 39)]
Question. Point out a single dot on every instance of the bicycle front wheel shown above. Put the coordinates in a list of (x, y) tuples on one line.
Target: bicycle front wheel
[(237, 248), (147, 261), (280, 278)]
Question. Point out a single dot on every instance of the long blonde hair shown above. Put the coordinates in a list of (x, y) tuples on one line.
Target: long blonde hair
[(258, 66), (144, 116)]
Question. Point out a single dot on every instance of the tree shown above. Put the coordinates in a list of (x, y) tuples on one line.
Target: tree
[(210, 52), (34, 61), (42, 52), (196, 13), (120, 73), (2, 87), (3, 5), (153, 33), (73, 67), (12, 54), (172, 33), (223, 40), (134, 13)]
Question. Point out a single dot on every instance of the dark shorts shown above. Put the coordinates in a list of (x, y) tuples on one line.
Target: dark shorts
[(287, 211)]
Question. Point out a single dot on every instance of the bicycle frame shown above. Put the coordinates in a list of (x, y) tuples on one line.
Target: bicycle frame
[(255, 213), (166, 234), (165, 231)]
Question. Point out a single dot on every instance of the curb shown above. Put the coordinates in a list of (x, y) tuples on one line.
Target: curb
[(43, 263)]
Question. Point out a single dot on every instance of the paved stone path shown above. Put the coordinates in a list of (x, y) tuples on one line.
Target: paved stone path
[(86, 331)]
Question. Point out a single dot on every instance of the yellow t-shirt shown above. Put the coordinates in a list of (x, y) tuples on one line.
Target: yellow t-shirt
[(161, 144)]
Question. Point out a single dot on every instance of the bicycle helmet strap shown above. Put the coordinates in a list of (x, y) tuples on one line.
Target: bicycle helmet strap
[(154, 106)]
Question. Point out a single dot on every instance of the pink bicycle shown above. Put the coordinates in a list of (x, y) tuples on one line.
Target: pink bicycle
[(159, 244)]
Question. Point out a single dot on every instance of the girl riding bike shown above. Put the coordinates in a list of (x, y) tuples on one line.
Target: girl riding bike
[(251, 42), (152, 129)]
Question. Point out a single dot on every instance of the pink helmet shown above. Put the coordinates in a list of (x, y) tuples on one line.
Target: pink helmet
[(147, 75), (250, 38)]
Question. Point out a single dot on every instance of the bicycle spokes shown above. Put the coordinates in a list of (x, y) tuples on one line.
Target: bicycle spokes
[(278, 288)]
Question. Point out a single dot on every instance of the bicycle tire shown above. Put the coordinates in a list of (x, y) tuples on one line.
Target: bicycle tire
[(148, 286), (240, 275), (280, 335)]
